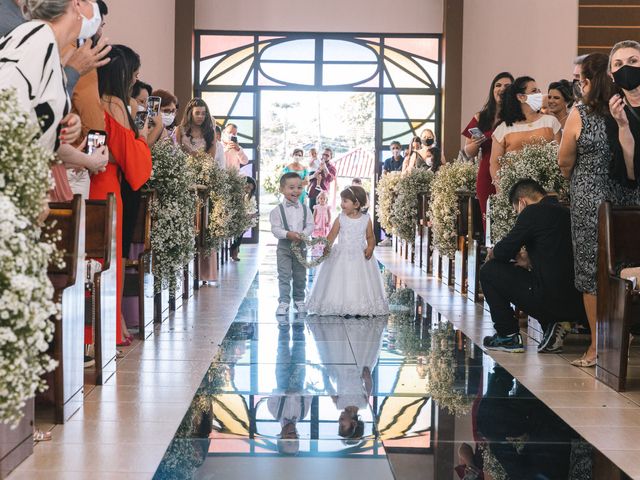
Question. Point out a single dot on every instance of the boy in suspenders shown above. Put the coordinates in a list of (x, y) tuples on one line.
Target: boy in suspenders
[(289, 221)]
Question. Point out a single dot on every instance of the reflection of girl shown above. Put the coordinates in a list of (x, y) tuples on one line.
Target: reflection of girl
[(297, 167), (347, 381)]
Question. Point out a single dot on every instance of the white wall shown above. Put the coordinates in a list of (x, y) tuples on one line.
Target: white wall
[(366, 16), (147, 26), (538, 39)]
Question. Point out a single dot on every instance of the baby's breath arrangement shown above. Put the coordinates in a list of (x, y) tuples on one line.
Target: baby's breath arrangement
[(173, 211), (387, 193), (404, 212), (26, 294), (26, 308), (538, 161), (441, 368), (24, 165), (443, 205)]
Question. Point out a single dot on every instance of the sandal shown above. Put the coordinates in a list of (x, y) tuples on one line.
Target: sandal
[(584, 361), (125, 343), (40, 436)]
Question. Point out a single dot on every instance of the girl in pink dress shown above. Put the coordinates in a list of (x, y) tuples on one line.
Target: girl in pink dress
[(322, 216)]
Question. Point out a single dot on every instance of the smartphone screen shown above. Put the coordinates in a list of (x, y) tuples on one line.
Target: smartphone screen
[(153, 106), (233, 138), (95, 139), (141, 117), (475, 132)]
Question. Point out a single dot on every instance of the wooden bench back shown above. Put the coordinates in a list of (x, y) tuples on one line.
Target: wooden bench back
[(65, 218), (618, 238), (142, 229), (463, 222), (100, 216)]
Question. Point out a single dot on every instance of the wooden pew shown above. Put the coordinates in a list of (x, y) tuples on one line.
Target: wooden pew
[(203, 225), (16, 444), (618, 303), (68, 282), (470, 242), (138, 279), (101, 244)]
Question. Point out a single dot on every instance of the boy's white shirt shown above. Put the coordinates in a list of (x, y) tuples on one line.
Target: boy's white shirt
[(295, 220)]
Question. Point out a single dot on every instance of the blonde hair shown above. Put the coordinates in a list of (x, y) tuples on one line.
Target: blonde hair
[(44, 9), (620, 45)]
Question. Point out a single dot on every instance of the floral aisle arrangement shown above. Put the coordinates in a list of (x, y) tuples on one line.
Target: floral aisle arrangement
[(538, 161), (173, 211), (404, 211), (387, 193), (26, 307), (441, 371), (443, 205), (26, 294)]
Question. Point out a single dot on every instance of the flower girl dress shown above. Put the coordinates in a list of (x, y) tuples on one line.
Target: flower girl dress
[(347, 283)]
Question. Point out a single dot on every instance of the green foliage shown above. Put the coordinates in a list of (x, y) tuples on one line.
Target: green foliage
[(404, 212)]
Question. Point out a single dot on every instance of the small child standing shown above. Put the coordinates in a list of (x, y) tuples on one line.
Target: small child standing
[(289, 220), (349, 282), (322, 216)]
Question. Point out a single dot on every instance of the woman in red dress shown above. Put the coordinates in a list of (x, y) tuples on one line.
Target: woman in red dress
[(129, 152), (485, 121)]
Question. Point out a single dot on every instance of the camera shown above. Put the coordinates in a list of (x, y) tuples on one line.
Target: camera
[(233, 138)]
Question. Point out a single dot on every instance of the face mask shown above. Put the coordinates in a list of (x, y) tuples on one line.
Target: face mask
[(90, 26), (534, 100), (428, 141), (225, 137), (627, 77), (168, 119)]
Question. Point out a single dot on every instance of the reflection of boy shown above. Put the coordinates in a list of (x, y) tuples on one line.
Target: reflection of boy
[(289, 221)]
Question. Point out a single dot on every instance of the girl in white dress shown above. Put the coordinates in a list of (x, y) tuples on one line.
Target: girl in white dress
[(349, 282)]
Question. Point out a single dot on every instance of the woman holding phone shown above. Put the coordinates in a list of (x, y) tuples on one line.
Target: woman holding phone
[(130, 154), (478, 134)]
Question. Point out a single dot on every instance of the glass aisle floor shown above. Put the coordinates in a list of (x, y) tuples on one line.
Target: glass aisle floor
[(403, 396)]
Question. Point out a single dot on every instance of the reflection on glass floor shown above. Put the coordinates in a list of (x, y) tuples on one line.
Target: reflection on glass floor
[(403, 396)]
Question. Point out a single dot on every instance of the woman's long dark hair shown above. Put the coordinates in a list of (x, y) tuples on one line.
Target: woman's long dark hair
[(511, 111), (116, 77), (207, 127), (487, 116), (601, 88)]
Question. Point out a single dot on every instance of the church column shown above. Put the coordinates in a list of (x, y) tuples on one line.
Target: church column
[(452, 77), (183, 69)]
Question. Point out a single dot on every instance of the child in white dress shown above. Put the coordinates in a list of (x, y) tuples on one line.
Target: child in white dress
[(349, 282)]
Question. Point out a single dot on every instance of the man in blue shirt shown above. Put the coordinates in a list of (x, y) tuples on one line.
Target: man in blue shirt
[(392, 164)]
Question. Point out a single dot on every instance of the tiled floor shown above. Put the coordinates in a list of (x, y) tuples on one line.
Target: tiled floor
[(125, 427)]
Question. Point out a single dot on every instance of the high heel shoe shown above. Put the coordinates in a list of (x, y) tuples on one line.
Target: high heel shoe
[(125, 343), (584, 361)]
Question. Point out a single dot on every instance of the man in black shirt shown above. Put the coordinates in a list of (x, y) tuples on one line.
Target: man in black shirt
[(539, 280)]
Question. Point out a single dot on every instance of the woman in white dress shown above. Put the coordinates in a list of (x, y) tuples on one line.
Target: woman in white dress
[(349, 282)]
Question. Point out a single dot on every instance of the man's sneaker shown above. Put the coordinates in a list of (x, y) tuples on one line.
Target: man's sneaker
[(283, 309), (385, 243), (552, 339), (301, 307), (511, 343), (89, 361)]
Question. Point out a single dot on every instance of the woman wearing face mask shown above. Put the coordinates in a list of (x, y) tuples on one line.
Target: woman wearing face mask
[(131, 157), (486, 120), (560, 100), (31, 65), (624, 131), (297, 167), (141, 92), (585, 157), (197, 133), (168, 110), (430, 152), (522, 122)]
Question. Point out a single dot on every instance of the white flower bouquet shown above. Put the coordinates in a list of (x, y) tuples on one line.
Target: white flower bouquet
[(26, 309), (172, 211), (443, 205), (404, 211), (387, 193), (538, 161)]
